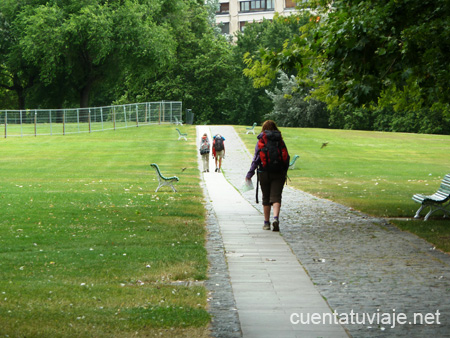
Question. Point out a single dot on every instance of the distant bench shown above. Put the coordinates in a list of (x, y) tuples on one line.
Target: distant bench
[(440, 200), (292, 163), (181, 135), (169, 181), (251, 129), (177, 122)]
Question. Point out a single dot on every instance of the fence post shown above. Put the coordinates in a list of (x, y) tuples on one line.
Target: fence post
[(101, 115), (146, 112), (6, 123), (64, 122), (137, 115), (35, 123), (164, 111), (125, 115), (89, 120), (78, 119), (50, 120), (21, 125), (114, 118)]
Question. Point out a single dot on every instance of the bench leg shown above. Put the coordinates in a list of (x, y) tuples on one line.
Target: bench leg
[(418, 212), (429, 213), (434, 208), (167, 183)]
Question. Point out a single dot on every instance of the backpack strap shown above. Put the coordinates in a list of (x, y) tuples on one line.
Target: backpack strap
[(257, 184)]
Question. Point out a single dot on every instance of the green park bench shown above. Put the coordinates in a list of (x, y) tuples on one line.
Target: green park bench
[(181, 135), (292, 163), (177, 122), (164, 181), (251, 129), (440, 200)]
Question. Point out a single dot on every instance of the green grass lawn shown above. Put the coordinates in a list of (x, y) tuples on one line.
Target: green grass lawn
[(88, 249), (373, 172)]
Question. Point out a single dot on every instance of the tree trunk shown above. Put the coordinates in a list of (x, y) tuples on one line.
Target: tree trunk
[(84, 101), (21, 98), (84, 95), (20, 92)]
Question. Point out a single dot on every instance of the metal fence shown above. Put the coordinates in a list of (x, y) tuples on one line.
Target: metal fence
[(34, 122)]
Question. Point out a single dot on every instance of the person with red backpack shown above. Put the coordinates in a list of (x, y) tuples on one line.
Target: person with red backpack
[(218, 150), (271, 160)]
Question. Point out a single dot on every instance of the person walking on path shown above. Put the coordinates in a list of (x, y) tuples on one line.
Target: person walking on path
[(271, 160), (204, 151), (218, 151)]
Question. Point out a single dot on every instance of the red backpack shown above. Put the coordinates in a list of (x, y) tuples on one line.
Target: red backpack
[(273, 152)]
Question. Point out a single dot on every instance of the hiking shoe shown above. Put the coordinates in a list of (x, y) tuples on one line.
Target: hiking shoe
[(276, 225), (266, 226)]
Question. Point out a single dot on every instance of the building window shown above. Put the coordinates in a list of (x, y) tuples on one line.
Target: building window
[(290, 4), (224, 8), (256, 5), (225, 27), (242, 25)]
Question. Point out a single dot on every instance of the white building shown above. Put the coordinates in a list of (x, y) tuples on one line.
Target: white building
[(232, 15)]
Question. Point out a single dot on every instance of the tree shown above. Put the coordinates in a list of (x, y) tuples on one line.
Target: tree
[(251, 103), (358, 53), (74, 48), (16, 75), (292, 110), (200, 69)]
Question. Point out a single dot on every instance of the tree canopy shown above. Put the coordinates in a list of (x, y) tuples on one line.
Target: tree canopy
[(377, 64)]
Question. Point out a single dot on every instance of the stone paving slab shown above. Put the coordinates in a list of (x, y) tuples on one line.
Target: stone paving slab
[(360, 264)]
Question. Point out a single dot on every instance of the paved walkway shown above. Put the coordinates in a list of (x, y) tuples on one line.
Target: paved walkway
[(272, 291), (359, 264)]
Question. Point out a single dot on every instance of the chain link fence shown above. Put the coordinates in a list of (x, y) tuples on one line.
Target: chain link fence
[(34, 122)]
